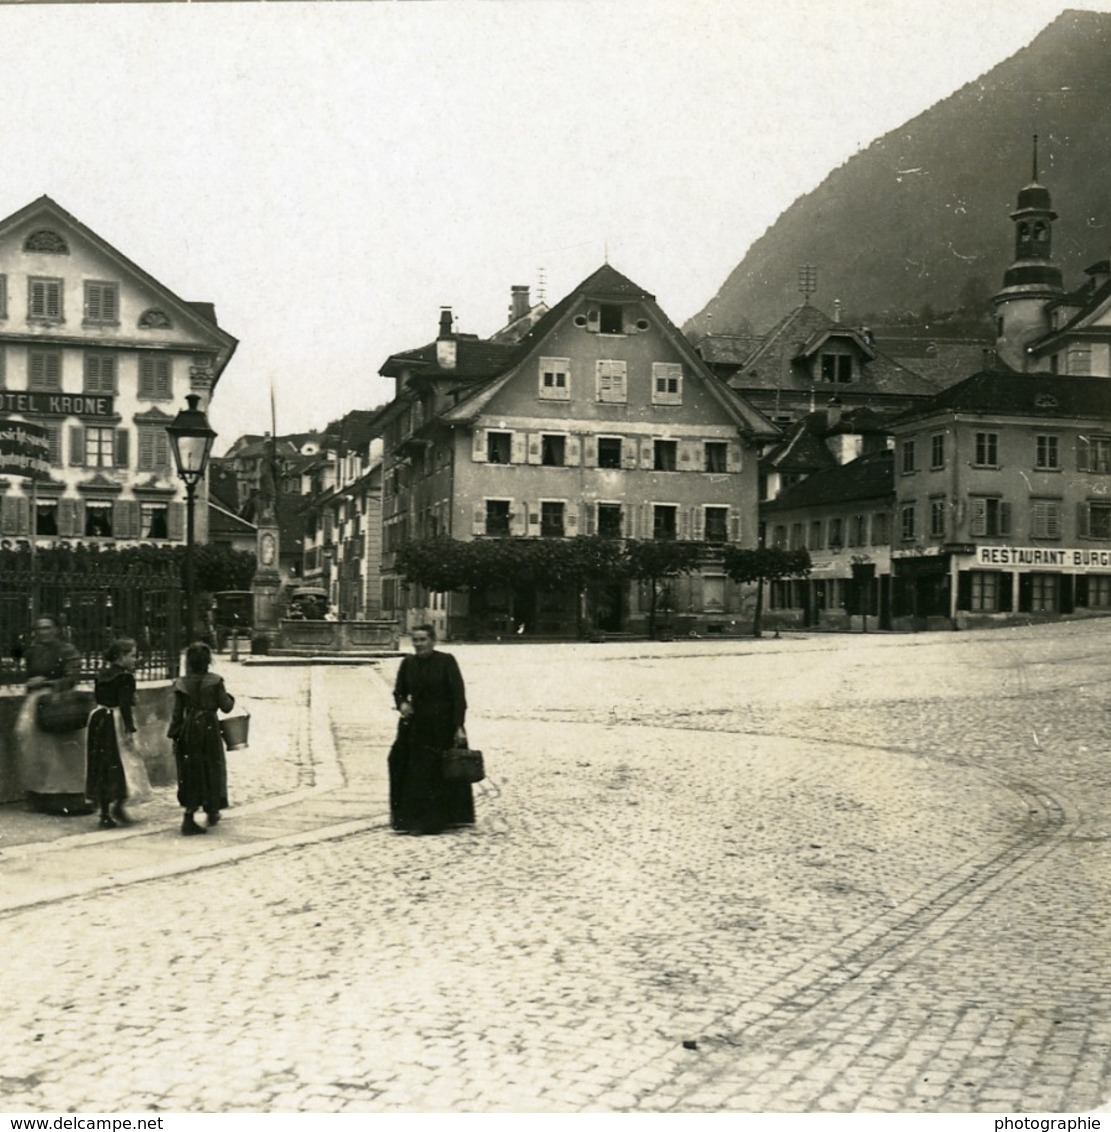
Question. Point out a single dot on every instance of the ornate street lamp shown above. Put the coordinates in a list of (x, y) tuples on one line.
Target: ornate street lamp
[(191, 440)]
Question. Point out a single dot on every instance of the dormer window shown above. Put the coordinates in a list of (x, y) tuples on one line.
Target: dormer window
[(836, 369)]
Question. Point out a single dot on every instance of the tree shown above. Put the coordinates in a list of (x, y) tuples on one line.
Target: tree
[(764, 564), (652, 560)]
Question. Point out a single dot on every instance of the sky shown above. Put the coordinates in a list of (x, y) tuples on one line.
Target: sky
[(330, 175)]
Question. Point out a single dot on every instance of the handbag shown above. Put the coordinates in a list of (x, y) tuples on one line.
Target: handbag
[(463, 764), (58, 712)]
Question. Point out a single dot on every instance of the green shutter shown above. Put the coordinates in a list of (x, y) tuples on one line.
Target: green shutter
[(77, 446), (123, 448)]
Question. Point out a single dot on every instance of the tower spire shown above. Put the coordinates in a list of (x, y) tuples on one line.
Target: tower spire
[(1035, 175)]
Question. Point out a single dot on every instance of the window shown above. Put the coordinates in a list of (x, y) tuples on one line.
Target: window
[(609, 520), (610, 377), (609, 451), (858, 530), (779, 536), (610, 318), (987, 449), (908, 456), (1046, 452), (667, 383), (1095, 520), (45, 370), (1043, 593), (46, 517), (555, 379), (1046, 518), (102, 304), (907, 522), (836, 538), (44, 300), (551, 519), (796, 541), (100, 447), (716, 527), (881, 528), (497, 517), (937, 450), (552, 449), (989, 516), (664, 516), (1093, 454), (664, 455), (837, 369), (98, 519), (154, 448), (1099, 591), (937, 518), (499, 447), (985, 591), (816, 534), (155, 378), (100, 372), (154, 520), (717, 455)]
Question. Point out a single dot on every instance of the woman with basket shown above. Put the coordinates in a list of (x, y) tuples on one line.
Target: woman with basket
[(202, 769), (430, 696), (50, 727)]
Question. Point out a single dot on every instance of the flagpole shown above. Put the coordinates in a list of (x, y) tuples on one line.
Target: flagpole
[(34, 549)]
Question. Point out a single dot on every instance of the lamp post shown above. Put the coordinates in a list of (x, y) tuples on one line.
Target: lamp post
[(191, 440)]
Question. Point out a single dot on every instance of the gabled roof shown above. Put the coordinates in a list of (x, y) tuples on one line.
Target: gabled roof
[(871, 476), (608, 283), (1097, 303), (1047, 396), (940, 361), (201, 314), (727, 349), (475, 359), (778, 361), (803, 449)]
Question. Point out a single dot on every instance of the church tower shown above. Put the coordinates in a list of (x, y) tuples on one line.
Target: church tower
[(1032, 281)]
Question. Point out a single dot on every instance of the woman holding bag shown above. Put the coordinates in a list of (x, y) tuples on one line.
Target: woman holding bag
[(431, 699), (202, 768)]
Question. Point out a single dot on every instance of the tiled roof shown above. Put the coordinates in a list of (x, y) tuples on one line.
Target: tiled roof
[(475, 359), (939, 361), (869, 477), (727, 349), (1039, 395)]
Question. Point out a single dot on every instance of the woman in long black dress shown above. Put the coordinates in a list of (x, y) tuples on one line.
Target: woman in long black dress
[(430, 696), (202, 768)]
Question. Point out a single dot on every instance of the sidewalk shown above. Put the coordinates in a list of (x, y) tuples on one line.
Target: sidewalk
[(287, 788)]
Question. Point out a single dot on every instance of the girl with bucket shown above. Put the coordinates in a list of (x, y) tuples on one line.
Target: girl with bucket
[(202, 769)]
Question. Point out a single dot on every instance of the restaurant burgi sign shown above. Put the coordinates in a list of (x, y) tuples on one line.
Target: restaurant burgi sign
[(24, 450)]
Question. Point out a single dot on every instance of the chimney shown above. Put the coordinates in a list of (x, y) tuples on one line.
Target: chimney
[(445, 343), (519, 304), (836, 310), (833, 413)]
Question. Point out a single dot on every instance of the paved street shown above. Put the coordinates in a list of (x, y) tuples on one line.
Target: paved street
[(838, 873)]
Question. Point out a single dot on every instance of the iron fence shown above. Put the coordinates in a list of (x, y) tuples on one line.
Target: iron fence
[(93, 608)]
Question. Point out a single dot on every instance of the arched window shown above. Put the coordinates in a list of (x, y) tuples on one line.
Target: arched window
[(1041, 232), (46, 240)]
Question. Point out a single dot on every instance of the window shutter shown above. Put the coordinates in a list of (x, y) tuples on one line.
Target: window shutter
[(629, 452), (71, 518), (8, 518), (570, 520), (978, 517), (175, 522), (1004, 517), (478, 445), (533, 519), (533, 439), (1083, 454), (121, 519), (572, 452), (689, 451), (478, 526), (698, 524), (647, 454), (123, 448), (146, 448), (733, 457), (517, 451), (590, 452), (684, 531), (518, 518), (590, 523), (108, 304), (1083, 529), (734, 525), (77, 446)]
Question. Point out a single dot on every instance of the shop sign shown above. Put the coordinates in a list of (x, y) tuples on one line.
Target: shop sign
[(56, 404), (1057, 557), (24, 450)]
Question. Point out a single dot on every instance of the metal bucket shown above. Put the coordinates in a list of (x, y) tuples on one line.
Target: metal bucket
[(234, 729)]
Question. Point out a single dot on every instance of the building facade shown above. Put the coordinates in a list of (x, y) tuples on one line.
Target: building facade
[(101, 355), (601, 420)]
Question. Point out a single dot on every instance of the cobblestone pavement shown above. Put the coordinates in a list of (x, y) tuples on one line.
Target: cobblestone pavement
[(818, 873)]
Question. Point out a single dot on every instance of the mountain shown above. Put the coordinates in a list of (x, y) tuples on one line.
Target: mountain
[(919, 221)]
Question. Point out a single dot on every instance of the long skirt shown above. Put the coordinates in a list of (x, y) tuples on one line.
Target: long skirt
[(421, 799), (202, 767), (115, 769), (51, 765)]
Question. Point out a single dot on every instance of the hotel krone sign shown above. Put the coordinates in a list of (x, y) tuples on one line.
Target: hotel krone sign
[(57, 404), (1045, 557)]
